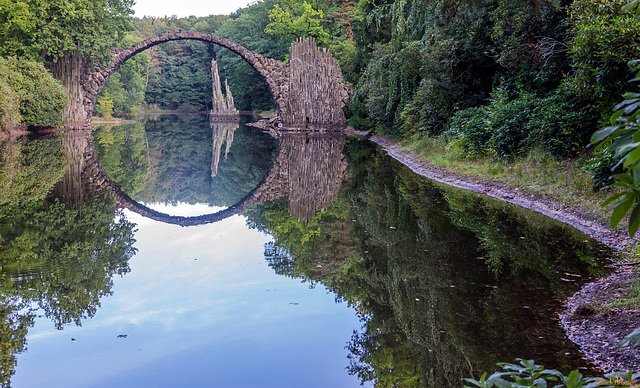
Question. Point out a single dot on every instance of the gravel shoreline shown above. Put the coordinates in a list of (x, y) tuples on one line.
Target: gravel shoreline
[(596, 334)]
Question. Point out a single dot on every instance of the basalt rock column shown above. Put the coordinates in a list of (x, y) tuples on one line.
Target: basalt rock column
[(73, 73), (317, 91)]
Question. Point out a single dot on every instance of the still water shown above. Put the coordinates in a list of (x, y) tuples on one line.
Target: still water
[(310, 261)]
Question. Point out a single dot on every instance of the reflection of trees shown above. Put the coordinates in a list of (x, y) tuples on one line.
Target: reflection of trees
[(29, 169), (420, 272), (122, 151), (182, 154), (15, 319), (57, 253), (63, 258)]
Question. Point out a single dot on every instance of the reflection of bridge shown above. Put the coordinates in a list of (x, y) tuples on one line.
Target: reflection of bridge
[(308, 169), (309, 89)]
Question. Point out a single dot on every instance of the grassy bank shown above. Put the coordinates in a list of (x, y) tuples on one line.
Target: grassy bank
[(563, 181)]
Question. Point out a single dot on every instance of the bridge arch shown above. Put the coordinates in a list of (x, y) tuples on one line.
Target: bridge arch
[(274, 72)]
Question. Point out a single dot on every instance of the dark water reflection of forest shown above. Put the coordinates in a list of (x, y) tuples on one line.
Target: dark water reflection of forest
[(425, 284)]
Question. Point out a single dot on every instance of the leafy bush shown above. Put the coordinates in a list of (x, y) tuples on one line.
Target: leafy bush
[(41, 97), (471, 129), (604, 40), (604, 165), (622, 138), (509, 122), (528, 374), (560, 126), (514, 127)]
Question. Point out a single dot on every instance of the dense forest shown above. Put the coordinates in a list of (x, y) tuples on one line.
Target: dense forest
[(491, 77)]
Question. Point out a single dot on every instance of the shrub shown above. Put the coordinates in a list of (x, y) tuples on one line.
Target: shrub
[(560, 126), (604, 40), (514, 127), (529, 374), (9, 108), (603, 165), (104, 106), (471, 130), (509, 122), (41, 97)]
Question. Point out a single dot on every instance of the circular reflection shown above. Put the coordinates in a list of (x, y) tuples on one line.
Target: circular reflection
[(308, 168)]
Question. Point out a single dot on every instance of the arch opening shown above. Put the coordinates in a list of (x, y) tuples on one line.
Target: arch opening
[(273, 71)]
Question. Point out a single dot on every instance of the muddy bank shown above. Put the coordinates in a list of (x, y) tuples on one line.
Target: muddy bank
[(597, 333)]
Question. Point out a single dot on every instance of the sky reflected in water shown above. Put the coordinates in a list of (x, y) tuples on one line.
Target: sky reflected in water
[(200, 307)]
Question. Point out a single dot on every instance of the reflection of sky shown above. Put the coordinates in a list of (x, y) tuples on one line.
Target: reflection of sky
[(200, 308)]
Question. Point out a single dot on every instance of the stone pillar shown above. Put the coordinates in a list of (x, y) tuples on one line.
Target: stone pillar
[(71, 72)]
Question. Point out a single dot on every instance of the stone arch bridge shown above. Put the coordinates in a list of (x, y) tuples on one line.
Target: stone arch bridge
[(309, 89)]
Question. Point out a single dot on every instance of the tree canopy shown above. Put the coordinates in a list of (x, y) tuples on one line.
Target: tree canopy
[(51, 29)]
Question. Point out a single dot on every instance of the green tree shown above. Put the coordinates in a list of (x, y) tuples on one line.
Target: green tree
[(126, 87), (52, 29), (247, 27), (294, 20)]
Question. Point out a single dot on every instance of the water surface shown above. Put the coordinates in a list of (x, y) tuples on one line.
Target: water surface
[(347, 268)]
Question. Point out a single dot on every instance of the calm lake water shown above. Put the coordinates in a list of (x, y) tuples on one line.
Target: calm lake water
[(333, 265)]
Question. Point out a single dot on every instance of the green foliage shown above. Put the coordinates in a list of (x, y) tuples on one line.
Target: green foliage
[(470, 129), (604, 39), (104, 106), (9, 106), (443, 57), (15, 319), (604, 165), (392, 78), (123, 153), (41, 97), (126, 87), (294, 20), (75, 253), (514, 127), (529, 374), (622, 139), (247, 27), (528, 42), (16, 24), (56, 28)]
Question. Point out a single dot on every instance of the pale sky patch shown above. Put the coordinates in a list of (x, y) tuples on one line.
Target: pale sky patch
[(184, 8)]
